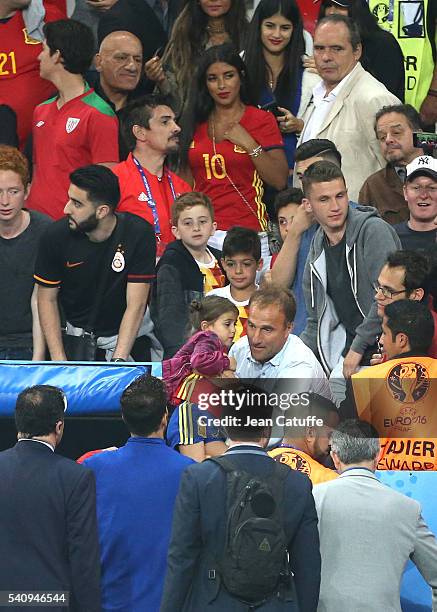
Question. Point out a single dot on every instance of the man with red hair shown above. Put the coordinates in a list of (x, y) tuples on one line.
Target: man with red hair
[(20, 232)]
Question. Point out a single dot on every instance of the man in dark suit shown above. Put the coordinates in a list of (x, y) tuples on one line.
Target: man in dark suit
[(194, 581), (48, 529)]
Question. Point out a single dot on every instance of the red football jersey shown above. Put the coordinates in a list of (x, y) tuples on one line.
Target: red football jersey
[(84, 131), (214, 171), (21, 87), (134, 197)]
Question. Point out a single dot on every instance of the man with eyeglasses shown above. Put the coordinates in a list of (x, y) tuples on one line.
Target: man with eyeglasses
[(419, 233), (404, 276)]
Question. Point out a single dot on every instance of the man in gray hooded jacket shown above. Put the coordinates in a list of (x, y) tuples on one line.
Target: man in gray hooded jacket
[(346, 255)]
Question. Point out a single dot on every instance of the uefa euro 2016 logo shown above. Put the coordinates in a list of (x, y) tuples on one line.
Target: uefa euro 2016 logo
[(295, 461), (408, 382)]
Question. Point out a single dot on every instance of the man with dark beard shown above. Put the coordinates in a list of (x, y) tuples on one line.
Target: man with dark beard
[(94, 251), (148, 188)]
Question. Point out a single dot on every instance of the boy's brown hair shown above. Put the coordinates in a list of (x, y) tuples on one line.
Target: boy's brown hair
[(187, 200)]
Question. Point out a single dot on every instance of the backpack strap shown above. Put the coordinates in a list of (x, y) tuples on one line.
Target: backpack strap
[(226, 464), (279, 470)]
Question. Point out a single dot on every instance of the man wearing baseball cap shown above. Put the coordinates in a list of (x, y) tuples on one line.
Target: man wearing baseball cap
[(420, 191)]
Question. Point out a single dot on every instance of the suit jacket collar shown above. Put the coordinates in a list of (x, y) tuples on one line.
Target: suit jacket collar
[(27, 444), (247, 447), (364, 472)]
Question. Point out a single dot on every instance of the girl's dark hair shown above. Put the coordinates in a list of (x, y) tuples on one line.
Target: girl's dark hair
[(209, 309), (201, 104), (189, 36), (359, 12), (289, 78)]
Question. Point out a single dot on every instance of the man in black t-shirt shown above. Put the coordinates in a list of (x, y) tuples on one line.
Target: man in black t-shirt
[(420, 191), (20, 231), (74, 254)]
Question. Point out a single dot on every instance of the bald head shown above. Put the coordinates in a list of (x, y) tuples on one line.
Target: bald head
[(115, 39), (119, 61)]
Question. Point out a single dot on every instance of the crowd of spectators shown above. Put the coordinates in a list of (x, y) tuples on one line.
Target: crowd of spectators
[(240, 200)]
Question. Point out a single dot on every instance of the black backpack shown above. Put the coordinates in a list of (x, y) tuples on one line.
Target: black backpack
[(255, 559)]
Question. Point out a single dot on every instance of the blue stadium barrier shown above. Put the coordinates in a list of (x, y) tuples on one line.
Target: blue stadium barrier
[(421, 486), (91, 388)]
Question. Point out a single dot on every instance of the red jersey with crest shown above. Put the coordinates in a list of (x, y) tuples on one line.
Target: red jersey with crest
[(215, 168), (21, 87), (84, 131), (134, 197)]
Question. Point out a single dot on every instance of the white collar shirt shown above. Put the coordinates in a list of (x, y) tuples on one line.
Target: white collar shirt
[(294, 361), (39, 442), (323, 104)]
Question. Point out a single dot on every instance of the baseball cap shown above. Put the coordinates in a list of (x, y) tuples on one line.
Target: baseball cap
[(343, 3), (424, 165)]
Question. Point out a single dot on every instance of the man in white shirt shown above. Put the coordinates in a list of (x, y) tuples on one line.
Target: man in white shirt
[(271, 351), (345, 101)]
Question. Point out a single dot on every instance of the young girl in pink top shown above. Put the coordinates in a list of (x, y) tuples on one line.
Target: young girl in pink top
[(212, 322)]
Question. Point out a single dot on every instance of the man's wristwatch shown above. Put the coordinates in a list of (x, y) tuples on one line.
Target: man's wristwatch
[(118, 360)]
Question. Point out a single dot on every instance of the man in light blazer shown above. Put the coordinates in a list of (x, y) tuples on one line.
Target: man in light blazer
[(48, 526), (367, 531), (345, 102)]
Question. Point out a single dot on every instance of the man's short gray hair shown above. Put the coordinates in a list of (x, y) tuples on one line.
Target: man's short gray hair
[(355, 441)]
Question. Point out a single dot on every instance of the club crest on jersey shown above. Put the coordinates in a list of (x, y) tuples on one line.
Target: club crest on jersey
[(29, 40), (71, 124), (238, 149), (118, 263)]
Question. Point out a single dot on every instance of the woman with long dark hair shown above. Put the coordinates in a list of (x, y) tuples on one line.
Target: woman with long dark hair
[(273, 52), (230, 147), (200, 25), (381, 55)]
